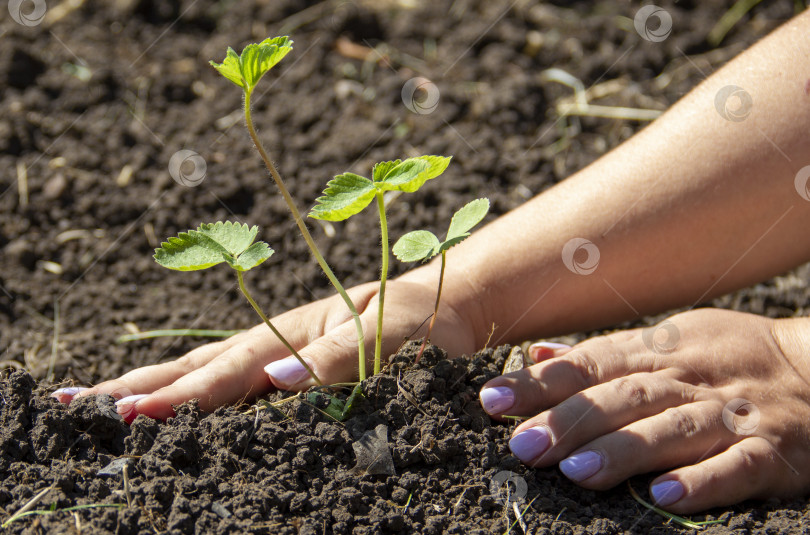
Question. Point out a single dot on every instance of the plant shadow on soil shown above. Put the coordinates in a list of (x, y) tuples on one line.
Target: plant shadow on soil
[(95, 153)]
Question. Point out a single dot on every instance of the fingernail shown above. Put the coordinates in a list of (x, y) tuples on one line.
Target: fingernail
[(530, 444), (582, 465), (126, 406), (497, 399), (287, 371), (667, 492), (544, 350), (69, 390)]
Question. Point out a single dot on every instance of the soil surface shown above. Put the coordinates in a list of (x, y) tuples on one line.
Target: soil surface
[(96, 98)]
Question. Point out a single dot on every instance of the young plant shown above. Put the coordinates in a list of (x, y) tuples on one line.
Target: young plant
[(245, 70), (424, 245), (348, 194), (214, 243)]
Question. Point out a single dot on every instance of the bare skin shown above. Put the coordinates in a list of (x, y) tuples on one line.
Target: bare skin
[(692, 207)]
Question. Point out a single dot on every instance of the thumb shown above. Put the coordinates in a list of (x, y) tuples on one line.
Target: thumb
[(333, 357)]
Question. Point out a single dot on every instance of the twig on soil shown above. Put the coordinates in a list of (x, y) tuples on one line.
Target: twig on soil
[(22, 184), (489, 337), (252, 433), (65, 510), (408, 503), (77, 522), (126, 487), (407, 395), (519, 516), (581, 107), (685, 522)]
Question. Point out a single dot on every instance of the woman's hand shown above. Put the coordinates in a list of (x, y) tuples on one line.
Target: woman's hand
[(254, 362), (718, 399)]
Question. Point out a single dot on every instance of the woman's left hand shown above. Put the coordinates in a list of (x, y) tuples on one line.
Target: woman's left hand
[(718, 399)]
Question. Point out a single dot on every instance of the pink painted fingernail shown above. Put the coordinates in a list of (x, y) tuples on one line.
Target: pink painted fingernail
[(667, 492), (286, 372), (126, 407), (530, 444), (65, 395), (497, 399), (543, 350), (581, 466)]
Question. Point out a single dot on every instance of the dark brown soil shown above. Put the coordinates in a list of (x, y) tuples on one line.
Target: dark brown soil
[(85, 236)]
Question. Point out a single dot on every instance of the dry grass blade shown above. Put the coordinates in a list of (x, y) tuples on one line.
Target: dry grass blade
[(126, 487), (407, 395), (28, 506)]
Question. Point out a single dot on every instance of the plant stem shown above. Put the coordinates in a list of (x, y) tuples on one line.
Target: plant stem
[(361, 346), (383, 278), (435, 309), (264, 318)]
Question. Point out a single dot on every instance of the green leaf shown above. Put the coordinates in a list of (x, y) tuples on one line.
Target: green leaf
[(467, 217), (247, 68), (344, 196), (189, 251), (257, 59), (463, 221), (401, 176), (251, 257), (381, 169), (233, 237), (209, 245), (229, 68), (407, 183), (416, 245)]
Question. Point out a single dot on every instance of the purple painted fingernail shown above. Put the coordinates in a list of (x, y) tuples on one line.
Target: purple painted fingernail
[(287, 372), (497, 399), (667, 492), (581, 465), (530, 444), (69, 390)]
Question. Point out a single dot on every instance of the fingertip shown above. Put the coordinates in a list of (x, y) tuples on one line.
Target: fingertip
[(666, 492), (127, 407), (288, 374), (66, 395), (541, 351)]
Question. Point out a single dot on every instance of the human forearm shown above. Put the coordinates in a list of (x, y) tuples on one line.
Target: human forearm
[(692, 207)]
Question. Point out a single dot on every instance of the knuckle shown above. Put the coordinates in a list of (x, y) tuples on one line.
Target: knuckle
[(634, 393), (684, 423), (586, 367)]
